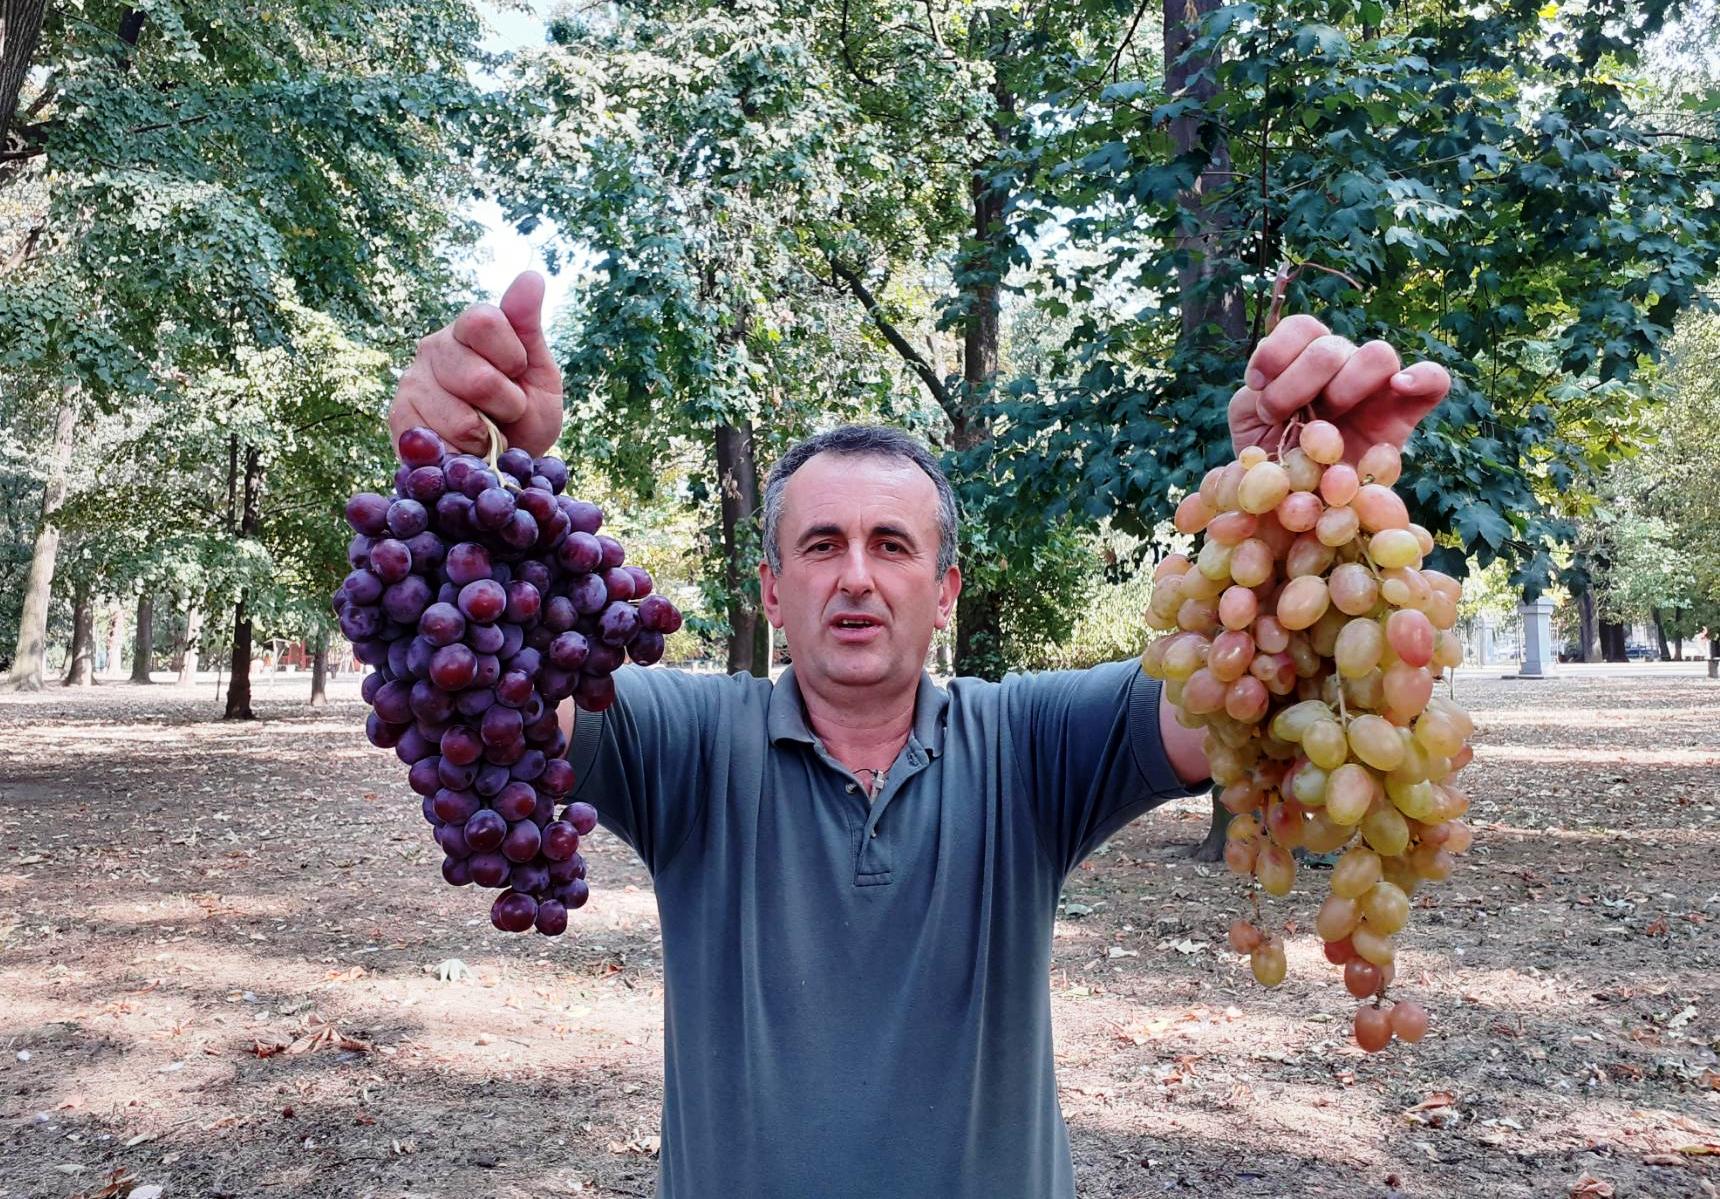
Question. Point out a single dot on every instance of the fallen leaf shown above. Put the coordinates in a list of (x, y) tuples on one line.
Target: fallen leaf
[(1590, 1187)]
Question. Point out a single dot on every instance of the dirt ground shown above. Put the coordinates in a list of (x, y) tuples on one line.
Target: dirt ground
[(228, 967)]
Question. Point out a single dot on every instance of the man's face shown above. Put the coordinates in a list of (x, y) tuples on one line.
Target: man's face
[(859, 596)]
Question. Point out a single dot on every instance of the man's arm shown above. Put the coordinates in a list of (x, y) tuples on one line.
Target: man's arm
[(1183, 746)]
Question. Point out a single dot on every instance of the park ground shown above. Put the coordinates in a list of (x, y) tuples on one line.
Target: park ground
[(228, 967)]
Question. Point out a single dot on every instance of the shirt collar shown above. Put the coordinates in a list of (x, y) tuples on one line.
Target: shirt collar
[(785, 718)]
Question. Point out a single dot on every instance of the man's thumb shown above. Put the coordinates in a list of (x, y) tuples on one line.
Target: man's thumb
[(522, 304)]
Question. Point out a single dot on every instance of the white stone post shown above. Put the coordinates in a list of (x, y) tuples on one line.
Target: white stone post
[(1539, 657)]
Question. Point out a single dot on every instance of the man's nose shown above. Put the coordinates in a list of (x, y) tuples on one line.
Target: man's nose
[(856, 571)]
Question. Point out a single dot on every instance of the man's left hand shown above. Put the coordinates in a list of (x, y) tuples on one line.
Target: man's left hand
[(1365, 390)]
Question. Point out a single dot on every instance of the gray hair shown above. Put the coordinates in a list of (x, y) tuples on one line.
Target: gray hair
[(857, 441)]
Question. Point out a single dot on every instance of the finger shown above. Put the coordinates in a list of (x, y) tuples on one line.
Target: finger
[(486, 331), (422, 402), (1421, 386), (1246, 427), (1280, 347), (537, 431), (464, 374), (1366, 373), (1304, 379), (523, 305)]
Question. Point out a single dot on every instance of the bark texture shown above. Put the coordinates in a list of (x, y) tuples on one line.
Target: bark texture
[(143, 642), (737, 478), (80, 668), (29, 656)]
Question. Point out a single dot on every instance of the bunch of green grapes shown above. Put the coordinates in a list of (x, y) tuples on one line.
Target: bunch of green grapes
[(1306, 638)]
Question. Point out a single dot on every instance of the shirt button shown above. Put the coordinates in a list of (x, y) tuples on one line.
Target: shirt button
[(853, 787)]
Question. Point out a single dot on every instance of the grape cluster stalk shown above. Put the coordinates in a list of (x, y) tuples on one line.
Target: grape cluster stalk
[(483, 596), (1306, 638)]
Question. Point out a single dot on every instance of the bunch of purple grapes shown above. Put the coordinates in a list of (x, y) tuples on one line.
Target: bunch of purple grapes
[(484, 597)]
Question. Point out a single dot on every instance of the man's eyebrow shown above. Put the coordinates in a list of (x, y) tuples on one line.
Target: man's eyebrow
[(817, 532)]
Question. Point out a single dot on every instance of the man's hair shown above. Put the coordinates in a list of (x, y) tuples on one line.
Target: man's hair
[(857, 441)]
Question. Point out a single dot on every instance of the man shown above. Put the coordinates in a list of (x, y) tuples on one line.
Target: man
[(857, 871)]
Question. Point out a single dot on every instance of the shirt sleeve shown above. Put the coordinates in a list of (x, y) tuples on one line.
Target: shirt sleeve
[(644, 762), (1088, 746)]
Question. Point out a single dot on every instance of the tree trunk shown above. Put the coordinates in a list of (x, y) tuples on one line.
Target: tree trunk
[(29, 659), (80, 671), (1660, 635), (319, 670), (1714, 653), (239, 687), (1612, 641), (979, 652), (115, 638), (143, 653), (188, 649), (1209, 310), (737, 479), (20, 28), (1588, 626)]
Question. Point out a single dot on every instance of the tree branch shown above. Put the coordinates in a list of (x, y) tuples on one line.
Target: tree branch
[(902, 346)]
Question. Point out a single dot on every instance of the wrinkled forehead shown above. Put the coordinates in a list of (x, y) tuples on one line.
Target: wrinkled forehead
[(857, 493)]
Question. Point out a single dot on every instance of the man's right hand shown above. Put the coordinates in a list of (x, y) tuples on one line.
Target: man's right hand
[(493, 359)]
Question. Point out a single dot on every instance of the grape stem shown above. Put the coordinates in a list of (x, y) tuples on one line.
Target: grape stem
[(498, 443)]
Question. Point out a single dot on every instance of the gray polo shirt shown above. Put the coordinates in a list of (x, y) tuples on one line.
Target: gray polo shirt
[(857, 993)]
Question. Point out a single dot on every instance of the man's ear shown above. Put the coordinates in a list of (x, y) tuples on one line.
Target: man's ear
[(948, 590), (767, 594)]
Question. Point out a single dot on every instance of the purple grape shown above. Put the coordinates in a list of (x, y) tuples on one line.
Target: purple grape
[(373, 682), (370, 651), (456, 807), (579, 553), (513, 912), (529, 767), (459, 468), (489, 670), (574, 894), (586, 518), (362, 587), (646, 648), (428, 552), (483, 600), (424, 777), (544, 813), (551, 918), (406, 518), (642, 581), (429, 702), (360, 623), (454, 516), (475, 701), (467, 562), (533, 711), (613, 554), (457, 872), (520, 531), (478, 481), (452, 839), (582, 816), (618, 583), (453, 667), (556, 778), (419, 651), (485, 830), (382, 734), (506, 755), (367, 513), (488, 869), (566, 872), (441, 624), (617, 624), (537, 638), (393, 702), (428, 808), (461, 745), (492, 508), (555, 684), (414, 745), (554, 471), (560, 841), (501, 726), (515, 801), (521, 843), (530, 877), (515, 462), (524, 602), (401, 474), (453, 776), (426, 484), (420, 446), (658, 614), (603, 659), (569, 651), (512, 638), (594, 692), (541, 504), (431, 730), (559, 614), (358, 551), (491, 779), (406, 600), (547, 725), (527, 661), (486, 638), (589, 595), (514, 688)]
